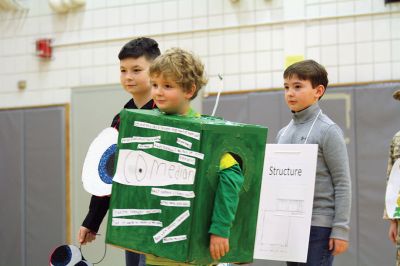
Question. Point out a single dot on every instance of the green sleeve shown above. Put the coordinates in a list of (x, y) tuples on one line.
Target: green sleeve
[(226, 200)]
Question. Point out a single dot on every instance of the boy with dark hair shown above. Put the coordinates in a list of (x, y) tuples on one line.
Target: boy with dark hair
[(139, 47), (135, 59), (305, 83)]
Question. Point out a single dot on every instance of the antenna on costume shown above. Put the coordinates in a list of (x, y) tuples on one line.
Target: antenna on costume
[(221, 87)]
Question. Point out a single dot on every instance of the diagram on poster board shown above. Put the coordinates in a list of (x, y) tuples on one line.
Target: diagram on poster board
[(285, 209)]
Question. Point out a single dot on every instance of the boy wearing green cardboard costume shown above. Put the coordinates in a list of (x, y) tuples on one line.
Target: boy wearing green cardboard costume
[(194, 208), (176, 77)]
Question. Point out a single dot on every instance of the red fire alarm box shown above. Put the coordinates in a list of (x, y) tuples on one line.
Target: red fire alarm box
[(43, 48)]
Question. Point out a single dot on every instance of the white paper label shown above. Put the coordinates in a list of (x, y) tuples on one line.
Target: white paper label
[(187, 159), (135, 222), (138, 168), (175, 203), (128, 212), (140, 139), (174, 239), (184, 143), (170, 193), (145, 146), (178, 150), (188, 133), (167, 230)]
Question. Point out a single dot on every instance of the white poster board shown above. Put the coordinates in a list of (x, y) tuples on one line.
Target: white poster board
[(287, 191), (392, 198)]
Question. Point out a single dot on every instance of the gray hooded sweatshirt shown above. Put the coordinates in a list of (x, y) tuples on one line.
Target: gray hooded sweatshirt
[(332, 194)]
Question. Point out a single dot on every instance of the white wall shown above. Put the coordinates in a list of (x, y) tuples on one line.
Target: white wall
[(248, 41)]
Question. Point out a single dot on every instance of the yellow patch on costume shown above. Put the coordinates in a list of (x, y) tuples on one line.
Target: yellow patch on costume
[(227, 161)]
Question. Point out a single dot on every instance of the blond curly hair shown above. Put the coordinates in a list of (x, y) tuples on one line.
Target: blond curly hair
[(183, 67)]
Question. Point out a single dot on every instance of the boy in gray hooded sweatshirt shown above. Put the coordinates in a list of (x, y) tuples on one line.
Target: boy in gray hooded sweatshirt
[(305, 83)]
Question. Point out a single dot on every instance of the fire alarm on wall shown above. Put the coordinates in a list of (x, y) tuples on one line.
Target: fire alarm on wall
[(44, 49)]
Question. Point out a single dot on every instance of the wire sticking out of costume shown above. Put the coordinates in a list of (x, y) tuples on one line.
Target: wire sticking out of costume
[(221, 87)]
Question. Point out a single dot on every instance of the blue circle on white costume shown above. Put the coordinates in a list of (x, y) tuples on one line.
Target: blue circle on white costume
[(65, 255), (105, 158), (61, 256)]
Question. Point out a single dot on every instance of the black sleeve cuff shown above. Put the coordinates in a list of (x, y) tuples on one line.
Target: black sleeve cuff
[(97, 210)]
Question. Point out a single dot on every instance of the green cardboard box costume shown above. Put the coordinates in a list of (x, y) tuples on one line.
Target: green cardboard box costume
[(166, 177)]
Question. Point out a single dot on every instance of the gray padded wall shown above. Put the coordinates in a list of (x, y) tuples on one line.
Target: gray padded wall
[(236, 107), (45, 182), (369, 117), (270, 116), (32, 197), (11, 200)]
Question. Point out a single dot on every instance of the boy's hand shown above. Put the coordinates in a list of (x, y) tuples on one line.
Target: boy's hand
[(85, 235), (338, 246), (219, 246), (393, 231)]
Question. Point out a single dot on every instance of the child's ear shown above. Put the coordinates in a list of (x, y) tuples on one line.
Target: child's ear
[(191, 91), (320, 90)]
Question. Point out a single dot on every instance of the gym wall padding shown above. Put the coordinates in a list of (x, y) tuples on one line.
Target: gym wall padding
[(33, 175), (11, 189), (369, 117)]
